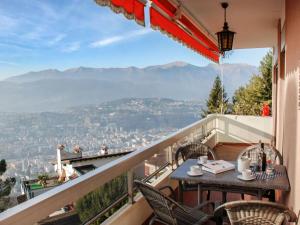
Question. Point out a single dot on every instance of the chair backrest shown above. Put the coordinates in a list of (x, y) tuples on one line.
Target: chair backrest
[(193, 151), (162, 205), (257, 213), (252, 153)]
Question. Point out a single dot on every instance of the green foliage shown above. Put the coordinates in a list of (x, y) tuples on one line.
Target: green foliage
[(2, 166), (215, 102), (5, 189), (248, 100), (43, 179), (266, 73), (94, 202), (6, 186)]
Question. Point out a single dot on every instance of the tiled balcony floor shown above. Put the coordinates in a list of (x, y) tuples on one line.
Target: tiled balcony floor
[(229, 151)]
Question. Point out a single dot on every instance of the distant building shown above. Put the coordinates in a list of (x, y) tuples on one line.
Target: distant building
[(103, 150), (75, 167), (71, 165)]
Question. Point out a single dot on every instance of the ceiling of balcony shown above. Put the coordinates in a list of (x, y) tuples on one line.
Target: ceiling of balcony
[(254, 21)]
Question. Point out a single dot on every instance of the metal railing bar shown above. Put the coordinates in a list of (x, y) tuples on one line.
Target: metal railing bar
[(107, 209), (146, 179), (130, 186)]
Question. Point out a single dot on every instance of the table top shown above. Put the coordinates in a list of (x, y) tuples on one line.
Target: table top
[(229, 178)]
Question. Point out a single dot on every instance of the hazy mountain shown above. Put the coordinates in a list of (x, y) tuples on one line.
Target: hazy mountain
[(53, 90)]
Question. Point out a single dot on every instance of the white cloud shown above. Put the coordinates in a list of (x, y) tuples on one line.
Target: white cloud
[(119, 38), (56, 39), (35, 34), (7, 22), (72, 47), (8, 63)]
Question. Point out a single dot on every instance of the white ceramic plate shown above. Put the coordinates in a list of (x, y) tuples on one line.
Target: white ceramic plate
[(200, 163), (190, 173), (252, 177)]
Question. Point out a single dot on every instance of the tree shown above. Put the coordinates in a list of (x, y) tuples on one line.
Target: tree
[(266, 74), (5, 187), (2, 167), (217, 101), (98, 200), (248, 100)]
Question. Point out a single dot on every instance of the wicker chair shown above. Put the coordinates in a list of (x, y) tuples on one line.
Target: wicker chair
[(168, 211), (252, 153), (194, 151), (256, 213)]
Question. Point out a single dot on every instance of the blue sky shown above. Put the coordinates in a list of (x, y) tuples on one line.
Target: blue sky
[(60, 34)]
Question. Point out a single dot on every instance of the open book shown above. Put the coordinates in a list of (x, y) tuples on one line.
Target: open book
[(217, 166)]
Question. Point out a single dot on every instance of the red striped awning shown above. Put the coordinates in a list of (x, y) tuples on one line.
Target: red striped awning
[(131, 9), (166, 18)]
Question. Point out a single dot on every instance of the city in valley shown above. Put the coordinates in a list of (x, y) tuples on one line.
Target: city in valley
[(28, 140)]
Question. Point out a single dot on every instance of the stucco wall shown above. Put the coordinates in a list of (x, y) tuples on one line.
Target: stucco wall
[(244, 129), (290, 106)]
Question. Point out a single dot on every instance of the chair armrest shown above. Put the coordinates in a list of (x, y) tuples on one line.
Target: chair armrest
[(212, 153), (291, 216), (170, 189)]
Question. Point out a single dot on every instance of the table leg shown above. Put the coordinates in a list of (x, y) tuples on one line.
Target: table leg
[(200, 198), (180, 192), (198, 194), (224, 197)]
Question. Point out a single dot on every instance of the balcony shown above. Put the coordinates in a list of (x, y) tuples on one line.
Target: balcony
[(227, 134)]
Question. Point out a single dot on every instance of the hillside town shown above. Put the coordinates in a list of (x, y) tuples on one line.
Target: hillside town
[(122, 126)]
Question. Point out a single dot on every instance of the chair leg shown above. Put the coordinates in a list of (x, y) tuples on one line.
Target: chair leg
[(208, 196), (155, 219), (151, 222), (219, 221), (272, 196), (243, 196)]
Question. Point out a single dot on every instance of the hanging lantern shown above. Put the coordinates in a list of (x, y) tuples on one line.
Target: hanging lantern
[(225, 37)]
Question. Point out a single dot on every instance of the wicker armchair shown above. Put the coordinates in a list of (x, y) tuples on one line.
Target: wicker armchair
[(168, 211), (256, 213), (252, 153), (194, 151)]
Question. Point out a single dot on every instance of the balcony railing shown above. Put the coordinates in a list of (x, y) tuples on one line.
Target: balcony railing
[(211, 130)]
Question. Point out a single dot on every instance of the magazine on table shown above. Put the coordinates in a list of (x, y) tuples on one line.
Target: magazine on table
[(218, 166)]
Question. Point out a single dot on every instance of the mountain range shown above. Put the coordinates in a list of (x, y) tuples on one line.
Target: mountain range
[(55, 90)]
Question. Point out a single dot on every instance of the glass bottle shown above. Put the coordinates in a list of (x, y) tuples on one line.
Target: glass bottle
[(263, 158), (259, 163), (258, 158)]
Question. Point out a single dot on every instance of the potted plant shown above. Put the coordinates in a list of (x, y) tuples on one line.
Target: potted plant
[(43, 179)]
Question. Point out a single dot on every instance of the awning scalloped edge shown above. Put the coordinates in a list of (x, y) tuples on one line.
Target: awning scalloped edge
[(119, 10), (179, 41)]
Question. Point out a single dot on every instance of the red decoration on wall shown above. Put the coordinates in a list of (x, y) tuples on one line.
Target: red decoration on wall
[(266, 110)]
